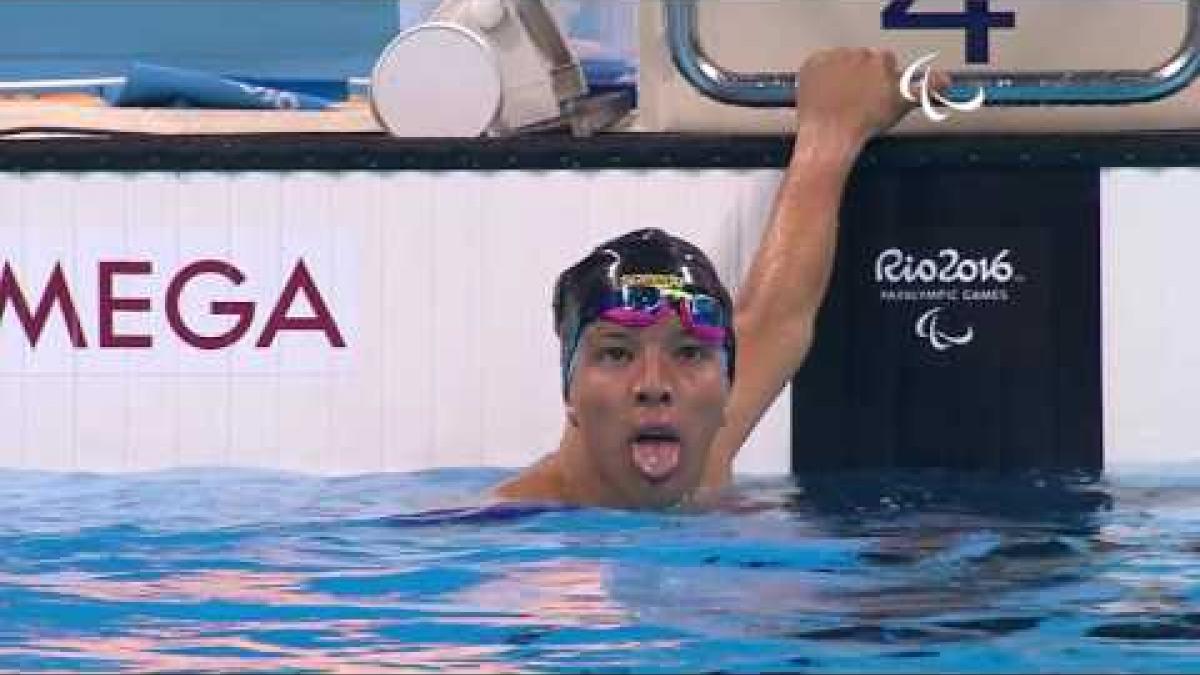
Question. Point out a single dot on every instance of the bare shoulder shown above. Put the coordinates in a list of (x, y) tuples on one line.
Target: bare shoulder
[(541, 482)]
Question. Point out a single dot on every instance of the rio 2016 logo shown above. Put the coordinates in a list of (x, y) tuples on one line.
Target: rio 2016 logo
[(895, 266), (948, 275)]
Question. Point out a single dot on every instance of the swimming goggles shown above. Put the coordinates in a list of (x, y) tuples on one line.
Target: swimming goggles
[(702, 315)]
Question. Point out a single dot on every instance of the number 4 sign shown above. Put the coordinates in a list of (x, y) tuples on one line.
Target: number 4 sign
[(976, 19)]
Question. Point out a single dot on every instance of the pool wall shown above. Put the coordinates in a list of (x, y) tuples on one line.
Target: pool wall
[(1151, 354), (432, 264), (437, 283)]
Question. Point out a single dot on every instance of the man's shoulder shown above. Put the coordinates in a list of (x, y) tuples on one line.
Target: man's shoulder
[(540, 482)]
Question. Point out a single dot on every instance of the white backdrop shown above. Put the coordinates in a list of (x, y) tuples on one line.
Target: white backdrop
[(439, 282), (1149, 243)]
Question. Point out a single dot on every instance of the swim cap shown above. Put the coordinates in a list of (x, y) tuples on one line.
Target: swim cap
[(633, 274)]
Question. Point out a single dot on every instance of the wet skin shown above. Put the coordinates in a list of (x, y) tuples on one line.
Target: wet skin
[(646, 403)]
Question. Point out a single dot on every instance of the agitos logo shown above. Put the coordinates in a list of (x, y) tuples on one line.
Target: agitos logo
[(56, 295)]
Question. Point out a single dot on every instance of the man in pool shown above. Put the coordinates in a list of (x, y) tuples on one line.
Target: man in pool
[(659, 393)]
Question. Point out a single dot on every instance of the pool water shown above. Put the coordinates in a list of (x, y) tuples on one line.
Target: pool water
[(220, 570)]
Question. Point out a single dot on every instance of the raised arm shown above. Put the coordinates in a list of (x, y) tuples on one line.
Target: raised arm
[(845, 96)]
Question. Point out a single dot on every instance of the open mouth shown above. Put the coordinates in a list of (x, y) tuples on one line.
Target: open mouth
[(656, 451)]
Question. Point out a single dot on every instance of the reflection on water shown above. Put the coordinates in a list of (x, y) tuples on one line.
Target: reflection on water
[(219, 571)]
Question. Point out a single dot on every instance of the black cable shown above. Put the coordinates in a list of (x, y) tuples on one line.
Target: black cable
[(79, 131)]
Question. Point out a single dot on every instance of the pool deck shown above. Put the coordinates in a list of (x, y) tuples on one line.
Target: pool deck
[(84, 113)]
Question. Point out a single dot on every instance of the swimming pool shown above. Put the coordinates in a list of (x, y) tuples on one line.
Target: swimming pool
[(216, 570)]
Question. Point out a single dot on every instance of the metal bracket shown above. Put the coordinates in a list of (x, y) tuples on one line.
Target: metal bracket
[(1024, 88)]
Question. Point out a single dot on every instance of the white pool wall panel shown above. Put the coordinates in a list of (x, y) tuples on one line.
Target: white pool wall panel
[(439, 282), (1150, 243)]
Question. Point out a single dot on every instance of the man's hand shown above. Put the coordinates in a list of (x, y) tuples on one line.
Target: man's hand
[(857, 90)]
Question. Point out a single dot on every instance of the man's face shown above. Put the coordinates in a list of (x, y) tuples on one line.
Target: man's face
[(647, 403)]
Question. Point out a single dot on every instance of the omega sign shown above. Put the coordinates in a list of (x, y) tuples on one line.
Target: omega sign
[(33, 310), (948, 279)]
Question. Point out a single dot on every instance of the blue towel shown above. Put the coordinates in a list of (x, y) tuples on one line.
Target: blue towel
[(153, 86), (604, 75)]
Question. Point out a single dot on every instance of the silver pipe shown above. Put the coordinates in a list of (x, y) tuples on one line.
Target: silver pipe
[(92, 83), (85, 83), (1001, 88)]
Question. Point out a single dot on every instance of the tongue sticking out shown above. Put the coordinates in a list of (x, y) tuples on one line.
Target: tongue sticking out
[(656, 459)]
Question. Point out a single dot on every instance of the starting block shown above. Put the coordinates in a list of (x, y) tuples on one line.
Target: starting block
[(1045, 65)]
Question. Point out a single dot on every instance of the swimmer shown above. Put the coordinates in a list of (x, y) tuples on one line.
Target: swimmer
[(663, 375)]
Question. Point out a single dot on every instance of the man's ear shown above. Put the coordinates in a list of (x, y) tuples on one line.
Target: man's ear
[(572, 416)]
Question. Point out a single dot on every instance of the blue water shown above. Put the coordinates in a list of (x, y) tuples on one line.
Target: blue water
[(268, 38), (220, 570), (257, 39)]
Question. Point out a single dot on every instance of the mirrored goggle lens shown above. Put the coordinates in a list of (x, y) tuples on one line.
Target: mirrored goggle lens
[(641, 298), (704, 310), (707, 311)]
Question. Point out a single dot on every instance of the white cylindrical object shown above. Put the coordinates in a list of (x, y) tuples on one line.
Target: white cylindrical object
[(437, 79)]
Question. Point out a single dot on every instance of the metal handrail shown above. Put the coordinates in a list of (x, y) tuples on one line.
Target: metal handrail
[(1001, 88)]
